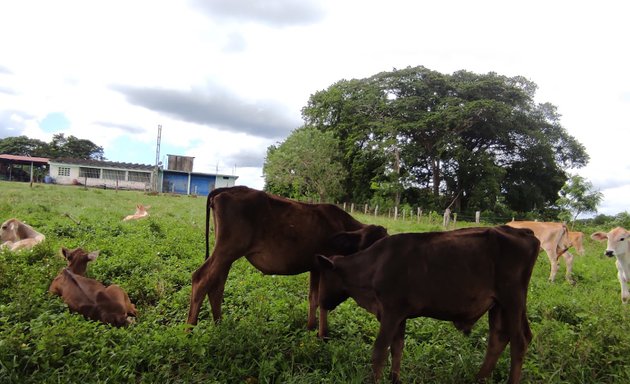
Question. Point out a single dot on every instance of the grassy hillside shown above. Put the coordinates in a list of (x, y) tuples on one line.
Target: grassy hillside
[(581, 332)]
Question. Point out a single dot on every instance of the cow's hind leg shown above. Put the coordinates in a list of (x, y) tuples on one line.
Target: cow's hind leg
[(520, 336), (390, 327), (209, 280), (397, 350), (568, 261), (497, 340), (552, 255)]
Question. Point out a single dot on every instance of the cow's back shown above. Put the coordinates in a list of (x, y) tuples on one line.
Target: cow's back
[(413, 267), (275, 234)]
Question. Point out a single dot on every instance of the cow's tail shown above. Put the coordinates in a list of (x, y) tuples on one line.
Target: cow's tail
[(208, 207), (565, 231)]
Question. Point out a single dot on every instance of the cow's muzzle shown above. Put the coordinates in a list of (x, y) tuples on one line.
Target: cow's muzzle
[(610, 253)]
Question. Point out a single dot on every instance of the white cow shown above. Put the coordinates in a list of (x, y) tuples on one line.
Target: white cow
[(618, 247), (554, 239), (15, 235)]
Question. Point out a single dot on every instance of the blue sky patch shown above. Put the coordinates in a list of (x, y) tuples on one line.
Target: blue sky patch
[(55, 122)]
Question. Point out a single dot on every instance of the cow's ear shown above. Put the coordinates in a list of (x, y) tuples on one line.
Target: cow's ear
[(325, 263), (93, 255), (599, 236), (346, 242), (65, 252)]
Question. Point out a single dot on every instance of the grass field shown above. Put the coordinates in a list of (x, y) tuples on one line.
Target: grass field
[(581, 332)]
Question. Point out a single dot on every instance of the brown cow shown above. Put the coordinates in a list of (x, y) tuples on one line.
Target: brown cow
[(141, 211), (16, 235), (111, 305), (277, 236), (455, 276), (554, 240)]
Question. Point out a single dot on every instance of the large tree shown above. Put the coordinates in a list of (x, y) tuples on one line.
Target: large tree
[(578, 196), (305, 164), (59, 146), (23, 146), (475, 138)]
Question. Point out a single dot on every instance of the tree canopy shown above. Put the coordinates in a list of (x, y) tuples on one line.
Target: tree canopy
[(478, 139), (305, 164), (59, 146)]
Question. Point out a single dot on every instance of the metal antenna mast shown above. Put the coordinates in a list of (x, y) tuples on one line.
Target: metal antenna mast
[(157, 158)]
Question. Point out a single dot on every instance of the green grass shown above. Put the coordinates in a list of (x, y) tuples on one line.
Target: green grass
[(581, 332)]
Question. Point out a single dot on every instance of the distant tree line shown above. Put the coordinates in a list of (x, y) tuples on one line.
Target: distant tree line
[(60, 146), (477, 142)]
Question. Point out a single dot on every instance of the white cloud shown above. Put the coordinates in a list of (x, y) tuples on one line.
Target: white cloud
[(227, 78)]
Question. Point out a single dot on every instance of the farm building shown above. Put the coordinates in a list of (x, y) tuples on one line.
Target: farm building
[(22, 168), (179, 178), (107, 174)]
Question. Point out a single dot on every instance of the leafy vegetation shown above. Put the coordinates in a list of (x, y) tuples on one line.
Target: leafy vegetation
[(581, 332), (59, 146)]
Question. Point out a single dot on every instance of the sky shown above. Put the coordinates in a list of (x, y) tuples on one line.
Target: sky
[(228, 78)]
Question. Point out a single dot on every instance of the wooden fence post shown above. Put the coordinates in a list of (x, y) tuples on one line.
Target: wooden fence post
[(376, 211), (477, 217), (446, 220)]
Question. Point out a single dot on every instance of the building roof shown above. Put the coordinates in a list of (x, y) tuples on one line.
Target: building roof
[(24, 159), (103, 164)]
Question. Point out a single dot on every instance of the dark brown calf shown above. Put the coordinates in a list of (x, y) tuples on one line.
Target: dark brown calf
[(111, 305), (455, 276), (277, 236)]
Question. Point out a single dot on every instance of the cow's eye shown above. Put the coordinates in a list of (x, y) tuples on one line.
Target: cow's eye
[(622, 239)]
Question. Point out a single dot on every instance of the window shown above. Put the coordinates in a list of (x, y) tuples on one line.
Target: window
[(90, 173), (144, 177), (112, 174), (63, 171)]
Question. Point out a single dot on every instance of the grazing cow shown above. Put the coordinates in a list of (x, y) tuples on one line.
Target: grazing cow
[(554, 239), (577, 241), (455, 276), (277, 236), (110, 305), (141, 211), (16, 235), (618, 247)]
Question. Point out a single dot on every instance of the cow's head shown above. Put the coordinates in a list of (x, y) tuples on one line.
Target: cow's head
[(617, 241), (77, 259), (577, 241), (347, 243), (331, 287), (9, 231)]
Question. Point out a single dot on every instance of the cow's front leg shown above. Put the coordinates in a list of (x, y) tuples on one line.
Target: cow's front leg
[(623, 281)]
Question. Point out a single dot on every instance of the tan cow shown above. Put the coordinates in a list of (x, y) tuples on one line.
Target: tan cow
[(554, 240), (16, 235), (141, 211), (577, 241), (86, 296)]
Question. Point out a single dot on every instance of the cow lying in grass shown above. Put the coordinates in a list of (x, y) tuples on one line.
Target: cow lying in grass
[(455, 276), (16, 235), (86, 296), (141, 211), (618, 247)]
